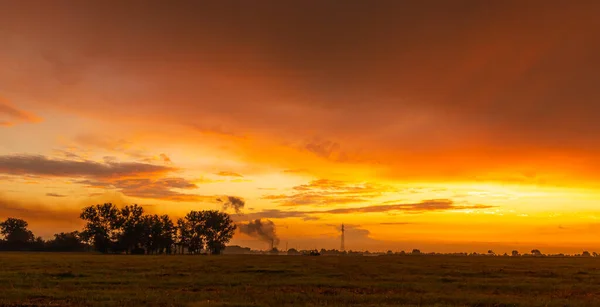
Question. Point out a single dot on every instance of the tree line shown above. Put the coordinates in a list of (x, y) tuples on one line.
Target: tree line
[(129, 230)]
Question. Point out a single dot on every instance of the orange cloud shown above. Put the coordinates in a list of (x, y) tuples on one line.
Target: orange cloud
[(228, 174), (10, 115), (325, 192), (424, 206)]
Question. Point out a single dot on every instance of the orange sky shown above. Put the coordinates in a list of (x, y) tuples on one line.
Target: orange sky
[(444, 126)]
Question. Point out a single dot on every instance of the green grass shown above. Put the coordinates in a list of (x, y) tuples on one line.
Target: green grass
[(49, 279)]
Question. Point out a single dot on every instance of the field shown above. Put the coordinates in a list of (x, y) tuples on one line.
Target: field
[(49, 279)]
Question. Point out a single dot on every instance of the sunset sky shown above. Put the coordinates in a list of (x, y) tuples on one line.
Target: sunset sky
[(438, 125)]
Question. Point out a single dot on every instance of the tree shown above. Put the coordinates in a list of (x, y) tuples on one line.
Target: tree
[(491, 252), (158, 234), (66, 242), (416, 252), (15, 232), (183, 234), (102, 222), (536, 252), (515, 253), (167, 234), (586, 254), (130, 223), (194, 223), (217, 231)]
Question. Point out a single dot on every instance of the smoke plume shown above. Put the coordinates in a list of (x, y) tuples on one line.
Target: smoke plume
[(261, 229), (233, 202)]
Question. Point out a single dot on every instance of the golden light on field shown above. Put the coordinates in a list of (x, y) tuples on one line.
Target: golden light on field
[(447, 129)]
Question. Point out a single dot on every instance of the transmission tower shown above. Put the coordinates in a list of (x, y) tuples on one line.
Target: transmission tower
[(343, 247)]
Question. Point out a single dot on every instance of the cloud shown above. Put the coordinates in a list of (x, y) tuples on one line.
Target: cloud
[(233, 202), (228, 174), (421, 207), (10, 115), (305, 199), (43, 166), (55, 195), (165, 158), (133, 179), (324, 192), (424, 206), (327, 150), (161, 188), (68, 154)]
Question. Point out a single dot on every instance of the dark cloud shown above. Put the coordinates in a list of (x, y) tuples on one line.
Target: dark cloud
[(94, 184), (55, 195), (233, 202), (424, 206), (228, 174), (43, 166), (152, 188)]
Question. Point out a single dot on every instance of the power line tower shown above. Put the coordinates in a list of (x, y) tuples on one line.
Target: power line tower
[(343, 247)]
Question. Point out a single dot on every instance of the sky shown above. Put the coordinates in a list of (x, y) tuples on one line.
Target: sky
[(440, 125)]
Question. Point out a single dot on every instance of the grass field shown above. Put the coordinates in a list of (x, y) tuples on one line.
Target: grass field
[(49, 279)]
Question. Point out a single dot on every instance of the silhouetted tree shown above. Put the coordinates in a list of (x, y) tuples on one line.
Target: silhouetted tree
[(66, 242), (130, 222), (194, 223), (16, 234), (167, 234), (102, 220), (515, 253), (586, 254), (536, 252), (151, 234), (218, 229), (183, 234), (158, 234), (416, 252)]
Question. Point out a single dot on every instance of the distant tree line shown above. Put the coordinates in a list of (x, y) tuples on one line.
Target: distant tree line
[(128, 230)]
